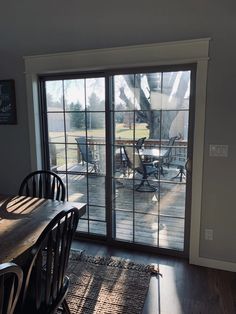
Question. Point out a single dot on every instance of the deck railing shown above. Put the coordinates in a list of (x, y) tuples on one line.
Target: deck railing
[(95, 145)]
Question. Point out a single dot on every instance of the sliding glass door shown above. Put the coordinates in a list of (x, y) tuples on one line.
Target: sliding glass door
[(121, 143), (150, 180)]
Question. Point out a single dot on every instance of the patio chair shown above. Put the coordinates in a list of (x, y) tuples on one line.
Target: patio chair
[(11, 276), (140, 142), (45, 285), (146, 169), (167, 157), (43, 184), (87, 155), (179, 161), (123, 162)]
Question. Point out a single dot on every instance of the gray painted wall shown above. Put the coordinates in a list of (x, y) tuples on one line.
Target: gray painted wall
[(36, 27)]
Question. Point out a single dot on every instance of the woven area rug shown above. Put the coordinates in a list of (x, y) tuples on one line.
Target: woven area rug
[(107, 285)]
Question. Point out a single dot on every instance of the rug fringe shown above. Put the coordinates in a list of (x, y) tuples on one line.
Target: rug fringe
[(153, 269)]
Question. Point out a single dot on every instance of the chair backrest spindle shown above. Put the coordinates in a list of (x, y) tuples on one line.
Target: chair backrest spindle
[(43, 184), (11, 276), (46, 284)]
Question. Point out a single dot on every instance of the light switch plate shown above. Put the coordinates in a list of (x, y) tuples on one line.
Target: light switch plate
[(209, 234), (218, 150)]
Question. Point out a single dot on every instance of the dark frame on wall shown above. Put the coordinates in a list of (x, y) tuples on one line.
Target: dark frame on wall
[(7, 102)]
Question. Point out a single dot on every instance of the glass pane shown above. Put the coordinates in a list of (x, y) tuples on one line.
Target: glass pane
[(54, 95), (83, 225), (56, 127), (75, 126), (178, 164), (96, 189), (124, 122), (87, 156), (169, 90), (151, 84), (98, 213), (175, 90), (95, 94), (140, 126), (77, 188), (175, 123), (120, 162), (96, 124), (63, 177), (57, 156), (97, 227), (74, 93), (100, 155), (123, 196), (171, 233), (72, 158), (172, 199), (124, 225), (147, 202), (146, 229), (125, 92)]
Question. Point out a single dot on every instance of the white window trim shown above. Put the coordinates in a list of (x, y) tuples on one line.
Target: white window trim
[(180, 52)]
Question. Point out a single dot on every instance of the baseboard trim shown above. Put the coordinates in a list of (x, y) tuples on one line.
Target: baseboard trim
[(213, 263)]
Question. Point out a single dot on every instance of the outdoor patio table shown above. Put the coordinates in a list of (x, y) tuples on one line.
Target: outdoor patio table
[(22, 219), (153, 153)]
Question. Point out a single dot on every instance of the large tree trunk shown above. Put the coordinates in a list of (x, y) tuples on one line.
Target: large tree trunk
[(158, 121)]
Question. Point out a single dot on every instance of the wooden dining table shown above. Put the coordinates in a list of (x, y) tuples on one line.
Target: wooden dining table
[(22, 219)]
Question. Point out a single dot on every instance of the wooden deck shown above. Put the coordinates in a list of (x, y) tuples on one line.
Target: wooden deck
[(153, 219)]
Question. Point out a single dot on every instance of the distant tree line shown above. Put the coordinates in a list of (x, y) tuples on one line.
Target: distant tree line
[(94, 114)]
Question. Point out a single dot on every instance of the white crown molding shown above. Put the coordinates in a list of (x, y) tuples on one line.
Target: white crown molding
[(185, 51)]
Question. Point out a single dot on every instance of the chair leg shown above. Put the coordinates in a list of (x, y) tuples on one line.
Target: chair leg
[(180, 174), (65, 307), (145, 188)]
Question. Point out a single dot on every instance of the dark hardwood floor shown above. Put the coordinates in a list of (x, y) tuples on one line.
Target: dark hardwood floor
[(183, 288)]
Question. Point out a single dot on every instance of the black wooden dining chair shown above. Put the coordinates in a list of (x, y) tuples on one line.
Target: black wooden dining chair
[(43, 184), (46, 284), (11, 276)]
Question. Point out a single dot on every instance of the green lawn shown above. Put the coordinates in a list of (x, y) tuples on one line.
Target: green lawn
[(125, 132), (121, 132)]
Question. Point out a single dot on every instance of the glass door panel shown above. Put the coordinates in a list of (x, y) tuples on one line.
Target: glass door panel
[(149, 189), (75, 116)]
